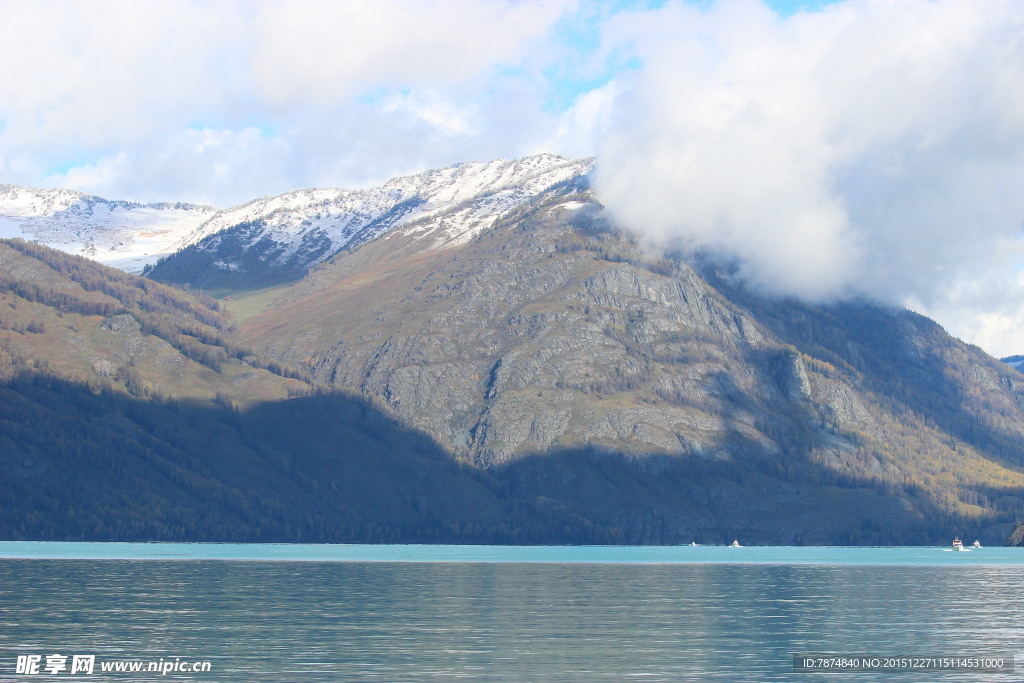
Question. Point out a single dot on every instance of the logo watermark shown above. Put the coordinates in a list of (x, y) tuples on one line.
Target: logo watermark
[(71, 665)]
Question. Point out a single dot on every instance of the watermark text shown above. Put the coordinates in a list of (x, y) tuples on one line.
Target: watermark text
[(59, 664)]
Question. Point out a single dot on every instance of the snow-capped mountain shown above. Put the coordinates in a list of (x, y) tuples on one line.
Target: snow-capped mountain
[(278, 237), (1015, 362), (125, 235), (281, 237)]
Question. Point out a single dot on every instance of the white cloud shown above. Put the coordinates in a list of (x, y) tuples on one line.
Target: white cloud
[(442, 114), (872, 147), (88, 74), (202, 165), (94, 89), (982, 300), (327, 51), (583, 125)]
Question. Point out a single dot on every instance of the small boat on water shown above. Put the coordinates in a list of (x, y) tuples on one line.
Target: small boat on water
[(977, 543), (958, 544), (735, 544)]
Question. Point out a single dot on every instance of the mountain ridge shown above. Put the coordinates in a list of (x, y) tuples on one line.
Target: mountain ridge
[(315, 222), (552, 331), (560, 373), (123, 234), (280, 238)]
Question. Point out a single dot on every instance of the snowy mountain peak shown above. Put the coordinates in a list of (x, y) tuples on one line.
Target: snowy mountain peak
[(291, 232), (27, 201), (294, 230), (1015, 362), (439, 188), (125, 235)]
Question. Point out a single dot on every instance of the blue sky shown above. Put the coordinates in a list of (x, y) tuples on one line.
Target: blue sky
[(581, 32), (849, 148)]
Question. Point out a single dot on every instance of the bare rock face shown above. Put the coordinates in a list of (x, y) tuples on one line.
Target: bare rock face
[(1017, 536), (124, 323), (550, 333), (550, 345), (839, 407), (515, 344), (792, 377), (610, 394)]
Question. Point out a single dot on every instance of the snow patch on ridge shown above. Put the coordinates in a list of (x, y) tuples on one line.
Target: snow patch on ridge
[(448, 205), (124, 235), (445, 206)]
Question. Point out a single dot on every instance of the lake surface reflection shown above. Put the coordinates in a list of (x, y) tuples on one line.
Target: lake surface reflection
[(409, 621)]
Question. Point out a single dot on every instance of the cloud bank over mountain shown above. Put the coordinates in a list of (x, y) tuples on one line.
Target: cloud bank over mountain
[(860, 147), (866, 149)]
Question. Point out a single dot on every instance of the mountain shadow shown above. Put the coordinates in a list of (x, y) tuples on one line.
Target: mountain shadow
[(248, 250), (78, 464), (81, 464), (540, 381)]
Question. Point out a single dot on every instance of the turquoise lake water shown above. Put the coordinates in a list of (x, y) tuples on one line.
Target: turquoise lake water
[(493, 553), (415, 613)]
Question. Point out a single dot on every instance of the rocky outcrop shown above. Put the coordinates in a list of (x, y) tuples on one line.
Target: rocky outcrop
[(515, 344), (551, 333), (605, 396), (540, 335)]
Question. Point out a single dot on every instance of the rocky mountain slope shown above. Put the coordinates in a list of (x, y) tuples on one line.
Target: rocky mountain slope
[(480, 354), (80, 321), (126, 413), (279, 238), (551, 332)]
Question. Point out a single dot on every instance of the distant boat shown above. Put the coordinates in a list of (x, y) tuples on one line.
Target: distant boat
[(977, 544), (695, 542), (958, 544), (735, 544)]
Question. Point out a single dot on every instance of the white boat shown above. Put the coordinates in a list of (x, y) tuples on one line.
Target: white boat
[(693, 542), (977, 544), (735, 544), (958, 544)]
